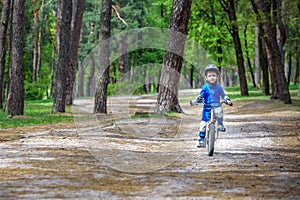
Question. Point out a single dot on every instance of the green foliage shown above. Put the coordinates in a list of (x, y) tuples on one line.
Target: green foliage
[(90, 28), (34, 91), (158, 13), (46, 23), (146, 56), (207, 26), (110, 89)]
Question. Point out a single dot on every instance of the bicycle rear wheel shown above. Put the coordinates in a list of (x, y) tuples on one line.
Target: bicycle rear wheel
[(211, 139)]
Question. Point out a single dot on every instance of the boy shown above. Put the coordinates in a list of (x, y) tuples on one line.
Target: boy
[(210, 94)]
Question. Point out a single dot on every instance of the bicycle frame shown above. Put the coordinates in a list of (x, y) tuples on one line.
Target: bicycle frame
[(212, 131)]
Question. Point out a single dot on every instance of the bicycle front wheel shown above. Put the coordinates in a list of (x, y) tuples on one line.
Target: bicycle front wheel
[(211, 139)]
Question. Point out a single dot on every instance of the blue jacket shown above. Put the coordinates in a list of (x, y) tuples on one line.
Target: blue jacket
[(211, 95)]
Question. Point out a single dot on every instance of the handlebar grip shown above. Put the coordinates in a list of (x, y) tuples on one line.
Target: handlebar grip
[(191, 103)]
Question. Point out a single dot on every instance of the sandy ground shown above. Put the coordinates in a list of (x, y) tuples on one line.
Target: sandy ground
[(131, 154)]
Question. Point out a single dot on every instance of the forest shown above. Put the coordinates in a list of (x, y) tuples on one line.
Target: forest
[(61, 50)]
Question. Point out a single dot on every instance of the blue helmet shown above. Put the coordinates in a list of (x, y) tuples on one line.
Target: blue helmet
[(211, 67)]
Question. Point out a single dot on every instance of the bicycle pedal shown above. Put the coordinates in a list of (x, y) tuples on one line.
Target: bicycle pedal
[(222, 130), (201, 146)]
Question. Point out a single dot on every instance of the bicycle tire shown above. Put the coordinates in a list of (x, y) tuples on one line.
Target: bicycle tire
[(211, 139)]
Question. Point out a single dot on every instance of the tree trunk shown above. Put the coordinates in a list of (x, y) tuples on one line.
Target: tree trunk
[(191, 74), (229, 7), (75, 39), (53, 59), (276, 49), (297, 74), (91, 77), (101, 89), (184, 69), (281, 32), (80, 92), (3, 32), (262, 49), (273, 74), (224, 77), (231, 77), (298, 55), (167, 99), (39, 53), (248, 57), (37, 36), (147, 84), (289, 68), (39, 46), (267, 16), (59, 22), (264, 65), (71, 68), (15, 99), (7, 94), (53, 62), (35, 41), (64, 58), (256, 60)]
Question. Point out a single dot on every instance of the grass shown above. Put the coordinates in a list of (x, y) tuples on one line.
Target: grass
[(258, 102), (234, 93), (35, 113)]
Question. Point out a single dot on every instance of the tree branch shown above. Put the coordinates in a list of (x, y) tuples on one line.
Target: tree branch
[(118, 14), (224, 4)]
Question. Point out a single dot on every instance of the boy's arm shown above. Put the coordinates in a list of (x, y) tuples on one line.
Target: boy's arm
[(222, 93), (225, 97), (197, 100)]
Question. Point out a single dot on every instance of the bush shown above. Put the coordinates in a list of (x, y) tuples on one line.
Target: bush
[(34, 91)]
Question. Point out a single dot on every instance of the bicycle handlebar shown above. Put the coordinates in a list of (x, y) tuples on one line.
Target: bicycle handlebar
[(222, 102)]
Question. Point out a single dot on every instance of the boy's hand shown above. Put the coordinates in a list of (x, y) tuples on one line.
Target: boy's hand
[(192, 102), (228, 101)]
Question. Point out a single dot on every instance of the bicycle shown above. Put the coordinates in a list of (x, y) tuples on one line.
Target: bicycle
[(212, 128)]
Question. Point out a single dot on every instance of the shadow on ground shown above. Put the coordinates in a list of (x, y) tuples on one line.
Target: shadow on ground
[(132, 153)]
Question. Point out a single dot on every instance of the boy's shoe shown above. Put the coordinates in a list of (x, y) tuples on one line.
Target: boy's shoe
[(221, 128), (201, 143)]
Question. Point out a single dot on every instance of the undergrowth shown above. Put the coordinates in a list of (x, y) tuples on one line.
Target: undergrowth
[(38, 112)]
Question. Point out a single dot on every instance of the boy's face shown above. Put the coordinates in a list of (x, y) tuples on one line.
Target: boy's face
[(211, 77)]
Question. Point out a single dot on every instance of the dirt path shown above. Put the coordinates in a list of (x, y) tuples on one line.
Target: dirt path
[(130, 154)]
